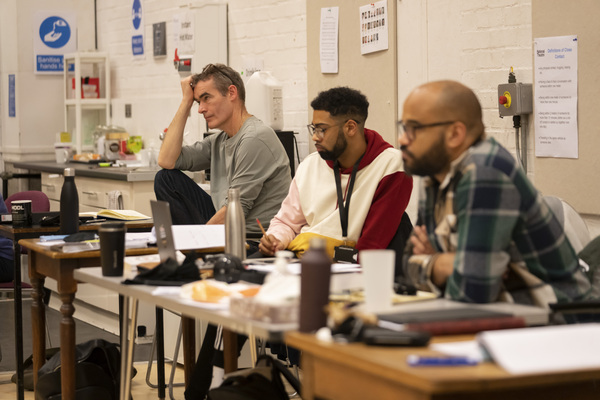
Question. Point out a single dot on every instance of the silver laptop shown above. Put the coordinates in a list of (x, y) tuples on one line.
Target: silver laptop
[(161, 214)]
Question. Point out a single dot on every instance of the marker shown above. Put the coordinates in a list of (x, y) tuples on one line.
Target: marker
[(431, 361)]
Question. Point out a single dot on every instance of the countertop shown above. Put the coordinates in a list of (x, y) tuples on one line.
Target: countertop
[(130, 174)]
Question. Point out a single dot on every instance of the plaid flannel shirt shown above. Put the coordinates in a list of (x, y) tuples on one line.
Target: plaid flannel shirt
[(508, 245)]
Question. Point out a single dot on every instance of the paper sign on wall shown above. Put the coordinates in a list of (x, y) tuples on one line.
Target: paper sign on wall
[(556, 132), (328, 43), (137, 29), (373, 27), (184, 33), (54, 34)]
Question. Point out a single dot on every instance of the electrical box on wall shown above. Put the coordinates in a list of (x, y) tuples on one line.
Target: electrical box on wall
[(159, 39), (515, 98)]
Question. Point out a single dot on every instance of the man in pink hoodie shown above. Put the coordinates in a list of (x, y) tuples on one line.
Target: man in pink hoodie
[(352, 192)]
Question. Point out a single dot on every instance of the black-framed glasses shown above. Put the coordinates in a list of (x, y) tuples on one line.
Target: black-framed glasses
[(321, 130), (411, 129)]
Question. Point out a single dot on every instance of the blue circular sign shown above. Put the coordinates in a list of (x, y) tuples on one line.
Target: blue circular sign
[(55, 32), (136, 13)]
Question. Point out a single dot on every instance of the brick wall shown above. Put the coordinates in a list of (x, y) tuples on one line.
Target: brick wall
[(270, 32)]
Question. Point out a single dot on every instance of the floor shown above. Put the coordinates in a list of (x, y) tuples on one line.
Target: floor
[(139, 388), (84, 331)]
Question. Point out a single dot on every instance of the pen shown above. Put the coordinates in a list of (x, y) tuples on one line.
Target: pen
[(432, 361), (263, 230)]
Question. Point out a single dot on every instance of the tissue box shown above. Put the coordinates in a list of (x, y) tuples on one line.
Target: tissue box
[(248, 307)]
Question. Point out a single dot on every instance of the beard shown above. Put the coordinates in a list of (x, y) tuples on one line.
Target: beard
[(431, 163), (338, 149)]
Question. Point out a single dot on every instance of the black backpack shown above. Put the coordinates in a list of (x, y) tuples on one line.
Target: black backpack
[(97, 368), (262, 382)]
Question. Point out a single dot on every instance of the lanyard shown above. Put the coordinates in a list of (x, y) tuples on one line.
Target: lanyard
[(344, 208)]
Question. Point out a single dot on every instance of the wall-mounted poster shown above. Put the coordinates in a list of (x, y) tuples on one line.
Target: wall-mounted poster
[(54, 35), (373, 27)]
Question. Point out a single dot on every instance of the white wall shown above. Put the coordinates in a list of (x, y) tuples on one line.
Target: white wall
[(39, 98), (273, 32), (471, 41)]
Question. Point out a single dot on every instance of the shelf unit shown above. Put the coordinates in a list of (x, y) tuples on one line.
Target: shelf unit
[(83, 114)]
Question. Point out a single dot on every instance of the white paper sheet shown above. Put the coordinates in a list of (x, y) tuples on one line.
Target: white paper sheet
[(328, 46), (296, 268), (190, 237), (468, 348), (373, 19), (556, 97), (544, 349)]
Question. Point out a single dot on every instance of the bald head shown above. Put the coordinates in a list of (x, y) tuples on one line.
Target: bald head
[(450, 101)]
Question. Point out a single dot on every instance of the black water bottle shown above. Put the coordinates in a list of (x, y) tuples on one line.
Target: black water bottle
[(69, 204)]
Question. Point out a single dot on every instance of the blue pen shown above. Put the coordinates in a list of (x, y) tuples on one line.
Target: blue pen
[(432, 361)]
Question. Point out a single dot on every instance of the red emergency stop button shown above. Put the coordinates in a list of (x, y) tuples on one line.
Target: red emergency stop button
[(503, 100)]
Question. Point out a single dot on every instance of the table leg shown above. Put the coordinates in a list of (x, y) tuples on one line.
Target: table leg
[(18, 320), (188, 325), (160, 352), (127, 346), (230, 352), (38, 324), (67, 346), (253, 352), (124, 327)]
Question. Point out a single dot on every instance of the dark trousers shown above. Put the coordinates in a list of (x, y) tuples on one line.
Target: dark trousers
[(211, 354), (191, 205), (188, 202), (7, 269), (398, 242)]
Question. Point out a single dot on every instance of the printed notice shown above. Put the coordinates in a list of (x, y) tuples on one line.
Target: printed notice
[(328, 46), (556, 97), (373, 27), (137, 30), (184, 33)]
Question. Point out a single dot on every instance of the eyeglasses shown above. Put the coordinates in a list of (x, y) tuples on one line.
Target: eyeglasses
[(411, 129), (321, 130), (211, 69)]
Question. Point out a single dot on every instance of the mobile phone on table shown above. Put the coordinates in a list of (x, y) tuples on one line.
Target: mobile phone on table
[(386, 337)]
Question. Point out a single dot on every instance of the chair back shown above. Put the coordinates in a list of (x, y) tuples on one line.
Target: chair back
[(39, 200), (575, 228)]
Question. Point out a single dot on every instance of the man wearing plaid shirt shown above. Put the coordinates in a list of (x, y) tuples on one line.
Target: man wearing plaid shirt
[(484, 232)]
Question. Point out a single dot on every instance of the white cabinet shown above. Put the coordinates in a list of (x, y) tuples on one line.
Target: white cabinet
[(94, 192), (87, 96)]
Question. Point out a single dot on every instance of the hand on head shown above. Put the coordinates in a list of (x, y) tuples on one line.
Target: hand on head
[(186, 88)]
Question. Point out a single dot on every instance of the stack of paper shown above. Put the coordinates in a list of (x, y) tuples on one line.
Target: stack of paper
[(544, 349)]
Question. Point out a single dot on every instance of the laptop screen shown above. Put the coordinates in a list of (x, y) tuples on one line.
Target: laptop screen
[(165, 243)]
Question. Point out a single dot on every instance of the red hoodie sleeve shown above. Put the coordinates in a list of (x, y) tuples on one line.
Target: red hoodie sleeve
[(388, 206)]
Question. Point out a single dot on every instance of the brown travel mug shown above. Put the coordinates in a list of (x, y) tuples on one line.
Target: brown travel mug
[(314, 287)]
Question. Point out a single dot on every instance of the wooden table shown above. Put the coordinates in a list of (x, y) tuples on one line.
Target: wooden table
[(358, 371), (59, 266), (35, 231)]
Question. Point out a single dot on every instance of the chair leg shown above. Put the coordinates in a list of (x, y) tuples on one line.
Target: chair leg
[(150, 362), (173, 365)]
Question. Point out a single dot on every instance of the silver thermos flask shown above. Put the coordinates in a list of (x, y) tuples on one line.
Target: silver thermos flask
[(235, 225)]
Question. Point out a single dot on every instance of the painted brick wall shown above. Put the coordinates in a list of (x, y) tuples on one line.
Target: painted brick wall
[(496, 35), (272, 33)]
